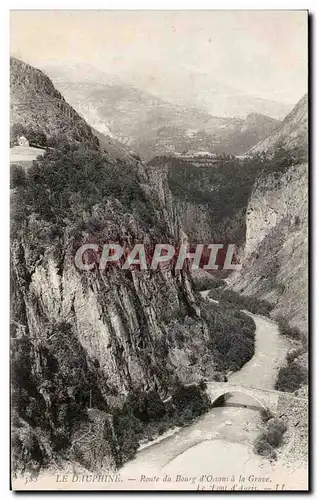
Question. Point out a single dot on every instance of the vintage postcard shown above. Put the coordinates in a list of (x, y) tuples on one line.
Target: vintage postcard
[(159, 250)]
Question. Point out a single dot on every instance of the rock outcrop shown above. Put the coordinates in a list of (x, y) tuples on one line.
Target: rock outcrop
[(291, 134), (275, 258), (276, 248)]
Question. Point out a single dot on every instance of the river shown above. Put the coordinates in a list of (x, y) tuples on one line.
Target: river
[(219, 443)]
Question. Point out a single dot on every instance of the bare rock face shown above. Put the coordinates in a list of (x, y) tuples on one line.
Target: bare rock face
[(291, 134), (276, 247), (275, 255), (86, 340), (121, 318)]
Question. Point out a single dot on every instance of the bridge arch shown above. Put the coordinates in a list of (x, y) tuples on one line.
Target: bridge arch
[(264, 398), (214, 398)]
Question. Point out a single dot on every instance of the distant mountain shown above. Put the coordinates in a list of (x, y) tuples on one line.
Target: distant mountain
[(150, 125), (249, 131), (189, 87), (291, 134)]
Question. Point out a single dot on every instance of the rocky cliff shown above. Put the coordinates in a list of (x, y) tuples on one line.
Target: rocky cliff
[(291, 134), (275, 261), (276, 248), (275, 256)]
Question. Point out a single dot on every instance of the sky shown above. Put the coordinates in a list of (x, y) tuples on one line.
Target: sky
[(262, 53)]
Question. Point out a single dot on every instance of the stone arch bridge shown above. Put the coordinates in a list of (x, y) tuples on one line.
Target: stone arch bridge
[(265, 398)]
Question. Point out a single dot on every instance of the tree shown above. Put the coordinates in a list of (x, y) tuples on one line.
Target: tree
[(17, 177), (36, 137), (16, 130)]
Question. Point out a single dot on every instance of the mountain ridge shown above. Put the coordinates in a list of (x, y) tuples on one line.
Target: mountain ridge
[(291, 134), (151, 126), (191, 87), (199, 84)]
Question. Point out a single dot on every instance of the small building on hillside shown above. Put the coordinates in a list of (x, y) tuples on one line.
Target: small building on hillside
[(23, 141)]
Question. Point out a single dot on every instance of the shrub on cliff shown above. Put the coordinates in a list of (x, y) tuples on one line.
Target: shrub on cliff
[(292, 332), (261, 446), (206, 283), (142, 413), (276, 424), (291, 377), (270, 438), (145, 406), (70, 180), (36, 137), (278, 162), (293, 354), (17, 177), (190, 399), (128, 431), (266, 414), (275, 431)]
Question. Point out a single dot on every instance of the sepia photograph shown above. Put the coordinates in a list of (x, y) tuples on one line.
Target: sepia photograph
[(159, 187)]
